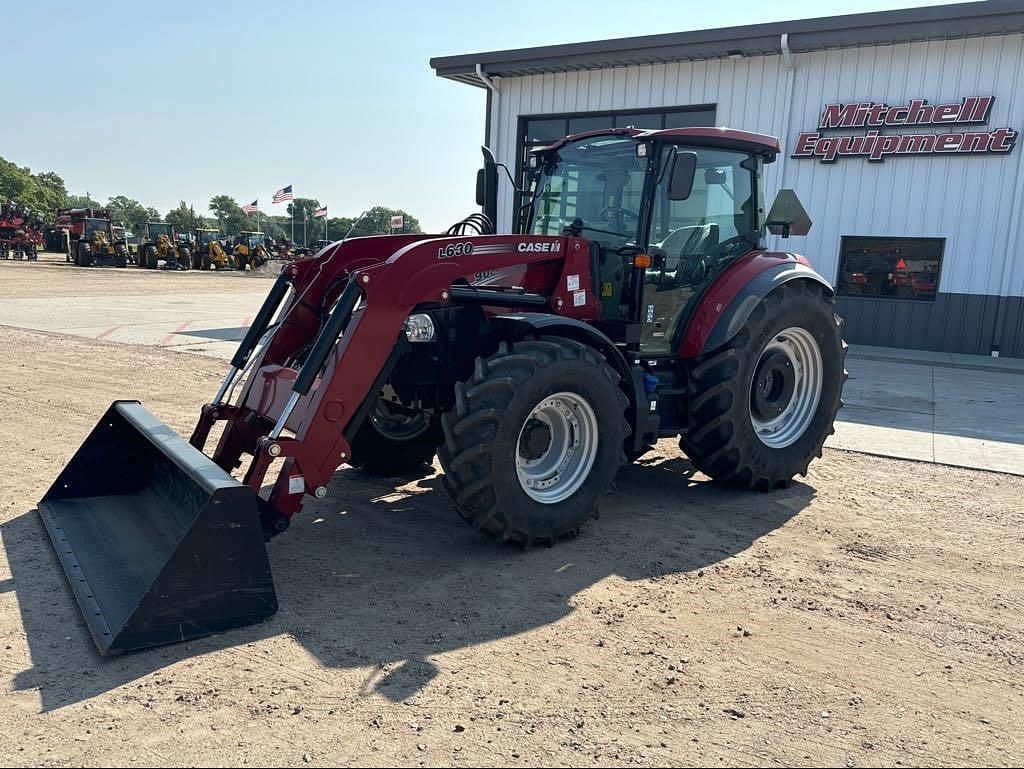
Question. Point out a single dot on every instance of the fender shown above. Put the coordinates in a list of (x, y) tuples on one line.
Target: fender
[(515, 327), (727, 303)]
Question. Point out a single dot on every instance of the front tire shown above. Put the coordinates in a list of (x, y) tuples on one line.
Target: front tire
[(83, 257), (762, 405), (535, 438)]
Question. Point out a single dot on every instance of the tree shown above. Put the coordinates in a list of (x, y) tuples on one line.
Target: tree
[(231, 220), (183, 218), (38, 192), (377, 221), (152, 215), (131, 213), (83, 201), (51, 191), (301, 211)]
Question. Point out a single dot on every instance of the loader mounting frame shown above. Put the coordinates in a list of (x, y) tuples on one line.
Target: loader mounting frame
[(351, 347)]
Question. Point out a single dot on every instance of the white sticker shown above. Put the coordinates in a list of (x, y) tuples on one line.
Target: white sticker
[(296, 484), (579, 298), (650, 313), (572, 283)]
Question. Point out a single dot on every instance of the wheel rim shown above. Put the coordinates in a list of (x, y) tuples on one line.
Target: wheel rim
[(556, 448), (785, 389)]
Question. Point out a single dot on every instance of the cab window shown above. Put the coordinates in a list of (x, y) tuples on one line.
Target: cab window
[(691, 241)]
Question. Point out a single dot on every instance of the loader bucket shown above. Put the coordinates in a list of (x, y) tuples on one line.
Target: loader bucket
[(159, 543)]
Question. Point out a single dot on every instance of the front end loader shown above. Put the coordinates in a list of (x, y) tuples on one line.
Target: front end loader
[(208, 253), (638, 302), (250, 250), (159, 244)]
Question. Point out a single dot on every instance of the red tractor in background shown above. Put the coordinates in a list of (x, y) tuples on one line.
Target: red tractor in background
[(21, 232), (637, 303)]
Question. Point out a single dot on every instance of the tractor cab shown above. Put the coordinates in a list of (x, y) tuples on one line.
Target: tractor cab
[(665, 212), (98, 229), (205, 237)]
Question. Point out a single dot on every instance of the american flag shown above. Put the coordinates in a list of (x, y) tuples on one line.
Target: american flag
[(320, 212), (252, 208), (283, 194)]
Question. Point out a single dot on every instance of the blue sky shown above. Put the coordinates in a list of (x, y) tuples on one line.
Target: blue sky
[(184, 100)]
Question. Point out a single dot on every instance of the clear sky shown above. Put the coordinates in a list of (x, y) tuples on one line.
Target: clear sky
[(183, 100)]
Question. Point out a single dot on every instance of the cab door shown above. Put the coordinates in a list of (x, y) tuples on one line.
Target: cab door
[(692, 241)]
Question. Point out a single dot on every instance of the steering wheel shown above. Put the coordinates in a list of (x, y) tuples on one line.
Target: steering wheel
[(626, 211), (723, 248)]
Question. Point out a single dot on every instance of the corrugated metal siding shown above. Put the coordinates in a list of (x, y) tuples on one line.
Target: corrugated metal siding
[(964, 323), (975, 202)]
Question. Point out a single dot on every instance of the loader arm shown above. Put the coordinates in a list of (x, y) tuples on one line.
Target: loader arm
[(343, 353)]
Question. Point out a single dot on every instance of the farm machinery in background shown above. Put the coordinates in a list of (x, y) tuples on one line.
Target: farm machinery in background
[(250, 250), (639, 303), (208, 253), (91, 241), (21, 232), (124, 238), (159, 244)]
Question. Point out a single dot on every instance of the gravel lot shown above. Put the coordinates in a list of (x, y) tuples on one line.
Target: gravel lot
[(871, 614)]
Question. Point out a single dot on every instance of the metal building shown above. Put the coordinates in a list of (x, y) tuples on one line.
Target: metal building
[(899, 131)]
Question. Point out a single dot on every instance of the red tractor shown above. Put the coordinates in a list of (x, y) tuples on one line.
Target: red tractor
[(21, 232), (639, 303)]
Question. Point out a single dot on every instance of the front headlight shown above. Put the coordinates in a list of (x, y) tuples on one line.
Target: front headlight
[(419, 328)]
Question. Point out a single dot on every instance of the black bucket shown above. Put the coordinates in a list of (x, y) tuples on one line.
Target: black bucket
[(159, 543)]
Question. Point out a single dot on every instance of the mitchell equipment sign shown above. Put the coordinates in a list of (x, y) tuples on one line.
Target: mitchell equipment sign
[(876, 144)]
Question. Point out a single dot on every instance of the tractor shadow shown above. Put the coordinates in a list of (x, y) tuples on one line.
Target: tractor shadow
[(384, 575)]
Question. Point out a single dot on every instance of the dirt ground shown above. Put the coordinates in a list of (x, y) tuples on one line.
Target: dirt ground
[(871, 614), (52, 276)]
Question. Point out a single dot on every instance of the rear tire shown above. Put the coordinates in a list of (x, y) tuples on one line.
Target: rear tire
[(499, 437), (388, 445), (731, 438)]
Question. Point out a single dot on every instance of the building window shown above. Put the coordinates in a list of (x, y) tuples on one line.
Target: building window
[(541, 130), (895, 268)]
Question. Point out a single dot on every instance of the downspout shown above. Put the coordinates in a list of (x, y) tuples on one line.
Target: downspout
[(787, 58), (787, 105), (492, 98)]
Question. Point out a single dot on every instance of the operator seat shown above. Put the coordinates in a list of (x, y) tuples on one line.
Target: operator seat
[(683, 250)]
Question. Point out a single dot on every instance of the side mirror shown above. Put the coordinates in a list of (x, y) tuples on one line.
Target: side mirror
[(787, 216), (714, 176), (481, 187), (684, 168), (487, 186)]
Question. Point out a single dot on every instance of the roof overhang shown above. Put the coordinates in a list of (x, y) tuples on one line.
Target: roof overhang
[(994, 17)]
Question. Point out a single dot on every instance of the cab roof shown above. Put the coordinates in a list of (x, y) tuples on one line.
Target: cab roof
[(726, 138)]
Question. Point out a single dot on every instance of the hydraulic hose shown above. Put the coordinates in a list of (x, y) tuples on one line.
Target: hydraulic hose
[(262, 321), (327, 338)]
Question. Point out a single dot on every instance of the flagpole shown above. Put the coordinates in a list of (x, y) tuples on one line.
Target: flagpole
[(293, 217)]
